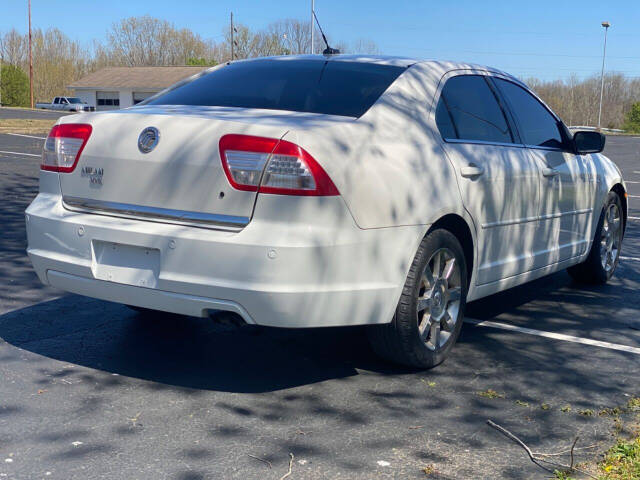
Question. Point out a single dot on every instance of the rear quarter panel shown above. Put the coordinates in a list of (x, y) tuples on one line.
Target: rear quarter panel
[(389, 165)]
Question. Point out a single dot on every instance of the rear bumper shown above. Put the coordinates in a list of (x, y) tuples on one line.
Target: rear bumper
[(280, 273)]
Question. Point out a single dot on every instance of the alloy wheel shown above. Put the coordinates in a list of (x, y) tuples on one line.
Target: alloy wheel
[(438, 300), (610, 237)]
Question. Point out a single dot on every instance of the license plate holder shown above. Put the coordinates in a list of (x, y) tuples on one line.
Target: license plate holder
[(128, 264)]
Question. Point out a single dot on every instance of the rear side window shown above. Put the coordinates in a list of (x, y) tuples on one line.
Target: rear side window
[(468, 110), (536, 125), (315, 86)]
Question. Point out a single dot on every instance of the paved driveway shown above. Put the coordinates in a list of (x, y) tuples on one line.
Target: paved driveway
[(89, 389)]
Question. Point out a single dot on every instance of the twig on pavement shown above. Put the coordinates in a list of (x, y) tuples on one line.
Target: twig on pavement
[(261, 459), (290, 466), (535, 457)]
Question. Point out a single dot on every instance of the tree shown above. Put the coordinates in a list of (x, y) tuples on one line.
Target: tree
[(14, 86), (633, 119), (149, 41)]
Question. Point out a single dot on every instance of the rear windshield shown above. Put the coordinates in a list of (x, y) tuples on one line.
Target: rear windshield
[(315, 86)]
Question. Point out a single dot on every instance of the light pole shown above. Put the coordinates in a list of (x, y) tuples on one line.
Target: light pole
[(606, 26), (312, 25), (30, 59)]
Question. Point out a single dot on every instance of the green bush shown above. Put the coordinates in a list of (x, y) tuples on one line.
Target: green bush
[(633, 119), (14, 86), (196, 62)]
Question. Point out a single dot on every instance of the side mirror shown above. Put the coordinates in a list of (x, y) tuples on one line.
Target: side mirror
[(588, 142)]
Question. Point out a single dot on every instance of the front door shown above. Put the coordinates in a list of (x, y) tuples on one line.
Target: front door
[(566, 189)]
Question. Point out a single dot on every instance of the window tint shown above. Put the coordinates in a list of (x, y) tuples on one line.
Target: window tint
[(473, 109), (536, 125), (443, 120), (316, 86)]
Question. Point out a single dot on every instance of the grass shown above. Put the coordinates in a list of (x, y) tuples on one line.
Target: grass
[(490, 393), (562, 475), (622, 461), (26, 125)]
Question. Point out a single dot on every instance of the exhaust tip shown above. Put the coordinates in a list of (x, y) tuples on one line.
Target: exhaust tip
[(230, 319)]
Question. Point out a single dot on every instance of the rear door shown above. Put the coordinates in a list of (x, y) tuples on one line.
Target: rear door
[(566, 187), (498, 180)]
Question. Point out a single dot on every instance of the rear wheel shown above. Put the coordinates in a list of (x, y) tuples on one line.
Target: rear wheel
[(605, 249), (428, 319)]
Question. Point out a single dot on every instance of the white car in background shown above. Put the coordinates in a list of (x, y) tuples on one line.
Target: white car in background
[(311, 191), (67, 104)]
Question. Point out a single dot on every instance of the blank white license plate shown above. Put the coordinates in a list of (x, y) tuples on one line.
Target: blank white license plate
[(129, 264)]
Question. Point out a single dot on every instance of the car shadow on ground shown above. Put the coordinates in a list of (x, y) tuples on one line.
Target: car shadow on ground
[(186, 351), (198, 353)]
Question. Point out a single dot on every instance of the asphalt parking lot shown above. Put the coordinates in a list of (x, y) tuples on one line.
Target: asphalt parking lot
[(89, 389), (7, 112)]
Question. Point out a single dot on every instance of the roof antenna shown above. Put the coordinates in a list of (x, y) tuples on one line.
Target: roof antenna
[(328, 50)]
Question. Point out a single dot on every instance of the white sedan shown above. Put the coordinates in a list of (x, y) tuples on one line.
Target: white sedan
[(313, 191)]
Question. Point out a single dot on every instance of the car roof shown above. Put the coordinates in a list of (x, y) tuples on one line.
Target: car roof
[(398, 61)]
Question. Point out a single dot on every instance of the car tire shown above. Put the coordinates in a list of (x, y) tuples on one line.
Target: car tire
[(428, 318), (603, 257)]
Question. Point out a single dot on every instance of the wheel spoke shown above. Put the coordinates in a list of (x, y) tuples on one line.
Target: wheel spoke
[(615, 225), (435, 334), (448, 322), (448, 268), (454, 294), (428, 276), (436, 264), (425, 327), (424, 303)]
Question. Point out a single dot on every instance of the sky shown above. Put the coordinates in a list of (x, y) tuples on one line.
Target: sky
[(542, 38)]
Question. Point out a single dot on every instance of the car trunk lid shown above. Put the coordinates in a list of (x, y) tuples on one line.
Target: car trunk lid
[(181, 178)]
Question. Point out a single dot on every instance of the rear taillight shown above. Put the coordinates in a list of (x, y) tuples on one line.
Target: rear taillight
[(290, 170), (63, 146)]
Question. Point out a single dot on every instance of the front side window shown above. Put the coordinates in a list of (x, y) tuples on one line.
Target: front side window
[(469, 110), (315, 86), (536, 124)]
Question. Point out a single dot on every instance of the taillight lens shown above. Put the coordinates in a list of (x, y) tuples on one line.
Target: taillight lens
[(64, 145), (290, 170)]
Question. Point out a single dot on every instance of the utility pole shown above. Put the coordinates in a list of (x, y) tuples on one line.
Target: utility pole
[(312, 25), (231, 29), (30, 59), (606, 26)]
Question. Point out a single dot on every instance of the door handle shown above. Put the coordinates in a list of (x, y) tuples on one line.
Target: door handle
[(471, 171), (549, 172)]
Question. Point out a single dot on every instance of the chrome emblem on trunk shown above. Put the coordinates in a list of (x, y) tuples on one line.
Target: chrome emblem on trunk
[(148, 139)]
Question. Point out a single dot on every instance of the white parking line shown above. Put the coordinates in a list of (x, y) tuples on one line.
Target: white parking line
[(555, 336), (629, 181), (19, 153), (633, 196), (633, 259), (633, 218), (44, 138)]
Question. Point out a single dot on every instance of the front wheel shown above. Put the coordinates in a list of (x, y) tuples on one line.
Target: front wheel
[(605, 249), (428, 319)]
